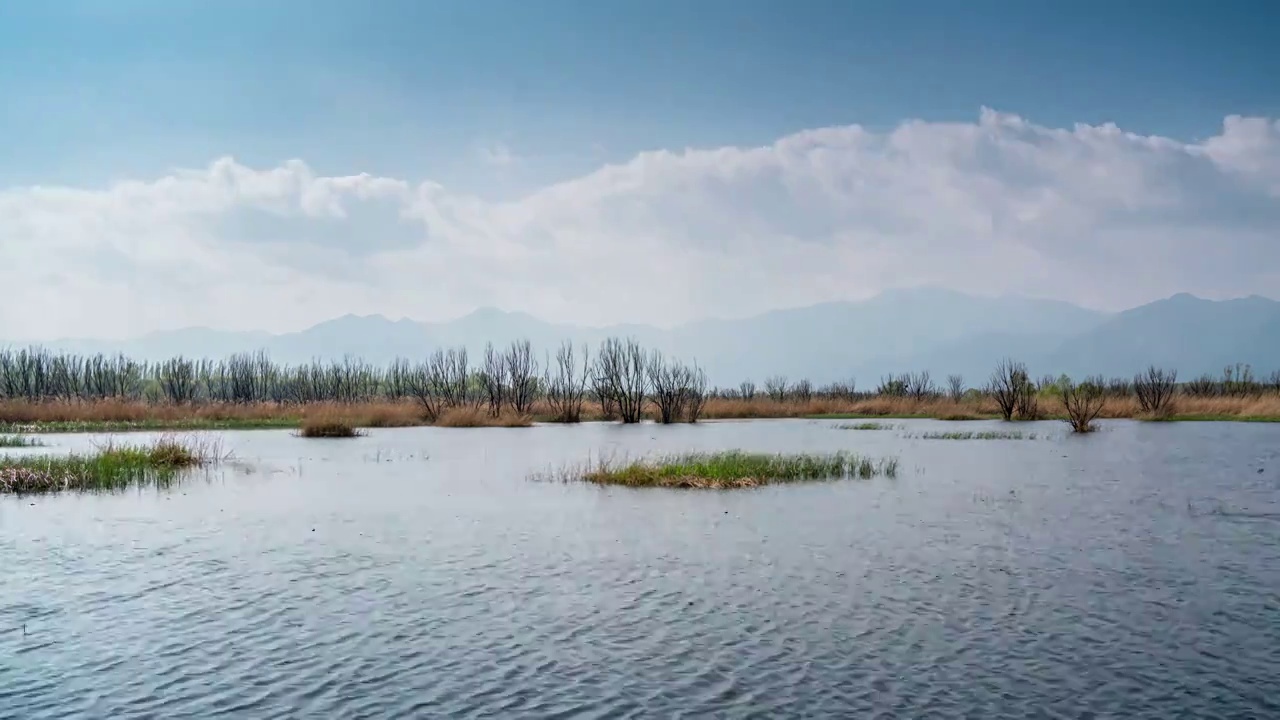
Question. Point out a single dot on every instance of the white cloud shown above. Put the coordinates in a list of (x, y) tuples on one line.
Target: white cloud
[(1089, 214)]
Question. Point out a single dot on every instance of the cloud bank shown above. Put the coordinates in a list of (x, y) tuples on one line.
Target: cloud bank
[(1090, 214)]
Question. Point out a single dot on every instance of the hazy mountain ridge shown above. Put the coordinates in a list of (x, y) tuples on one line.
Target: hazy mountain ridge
[(941, 331)]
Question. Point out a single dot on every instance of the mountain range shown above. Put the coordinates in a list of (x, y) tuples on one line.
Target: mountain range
[(941, 331)]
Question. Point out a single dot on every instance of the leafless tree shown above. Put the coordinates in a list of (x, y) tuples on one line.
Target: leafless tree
[(1118, 387), (775, 386), (566, 385), (666, 383), (919, 386), (493, 377), (1238, 381), (1083, 403), (955, 387), (522, 375), (802, 390), (1273, 381), (747, 390), (1203, 386), (1008, 386), (695, 393), (620, 372), (1154, 389)]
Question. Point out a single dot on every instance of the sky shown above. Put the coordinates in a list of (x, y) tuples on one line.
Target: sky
[(249, 165)]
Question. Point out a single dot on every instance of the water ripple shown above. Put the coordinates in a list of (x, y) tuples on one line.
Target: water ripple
[(1036, 579)]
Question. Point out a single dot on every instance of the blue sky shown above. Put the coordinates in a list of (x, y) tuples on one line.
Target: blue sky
[(113, 88), (268, 165)]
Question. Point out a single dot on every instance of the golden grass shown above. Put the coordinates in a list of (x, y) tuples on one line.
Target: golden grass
[(468, 417), (16, 415), (332, 427)]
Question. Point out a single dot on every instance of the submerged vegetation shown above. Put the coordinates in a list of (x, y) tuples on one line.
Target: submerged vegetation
[(976, 435), (110, 467), (42, 391), (730, 469), (18, 441), (867, 426)]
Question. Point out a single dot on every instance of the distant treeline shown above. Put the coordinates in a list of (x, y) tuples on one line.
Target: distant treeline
[(622, 376)]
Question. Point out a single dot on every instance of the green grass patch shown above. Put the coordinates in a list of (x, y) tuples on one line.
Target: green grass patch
[(110, 467), (19, 441), (731, 469)]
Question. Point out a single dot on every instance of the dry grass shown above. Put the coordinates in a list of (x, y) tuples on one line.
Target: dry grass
[(328, 428), (110, 467), (475, 417), (113, 415)]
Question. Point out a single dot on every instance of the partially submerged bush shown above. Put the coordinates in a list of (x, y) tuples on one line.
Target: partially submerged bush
[(732, 469), (1083, 403)]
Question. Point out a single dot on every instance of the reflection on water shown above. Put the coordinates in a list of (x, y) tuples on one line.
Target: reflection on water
[(416, 572)]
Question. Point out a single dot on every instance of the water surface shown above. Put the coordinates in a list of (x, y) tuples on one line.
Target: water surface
[(417, 572)]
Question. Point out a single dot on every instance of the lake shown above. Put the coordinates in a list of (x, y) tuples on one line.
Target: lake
[(418, 572)]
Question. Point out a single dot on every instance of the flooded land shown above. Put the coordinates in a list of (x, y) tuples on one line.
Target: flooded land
[(437, 571)]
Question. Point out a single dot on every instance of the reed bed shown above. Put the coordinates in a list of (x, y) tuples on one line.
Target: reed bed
[(19, 441), (730, 469), (113, 415), (329, 428), (110, 467)]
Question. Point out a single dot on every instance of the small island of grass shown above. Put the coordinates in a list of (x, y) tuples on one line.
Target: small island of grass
[(732, 469), (329, 428), (108, 468), (18, 441)]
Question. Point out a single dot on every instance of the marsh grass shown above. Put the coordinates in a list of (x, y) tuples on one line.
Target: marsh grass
[(19, 441), (974, 435), (731, 469), (867, 426), (329, 428), (109, 467), (470, 417), (20, 416)]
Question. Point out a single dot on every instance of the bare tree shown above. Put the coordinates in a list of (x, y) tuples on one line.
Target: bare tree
[(747, 390), (695, 391), (1154, 390), (522, 375), (775, 386), (666, 382), (1083, 403), (802, 390), (1203, 386), (494, 379), (565, 383), (955, 387), (893, 386), (1238, 381), (1273, 381), (621, 377), (1008, 386), (919, 386)]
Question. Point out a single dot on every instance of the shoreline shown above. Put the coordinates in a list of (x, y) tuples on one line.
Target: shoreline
[(111, 416)]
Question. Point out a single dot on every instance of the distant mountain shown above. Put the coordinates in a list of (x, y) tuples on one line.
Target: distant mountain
[(904, 330)]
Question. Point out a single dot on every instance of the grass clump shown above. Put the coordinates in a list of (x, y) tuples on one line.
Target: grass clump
[(732, 469), (977, 435), (110, 467), (18, 441), (328, 428)]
